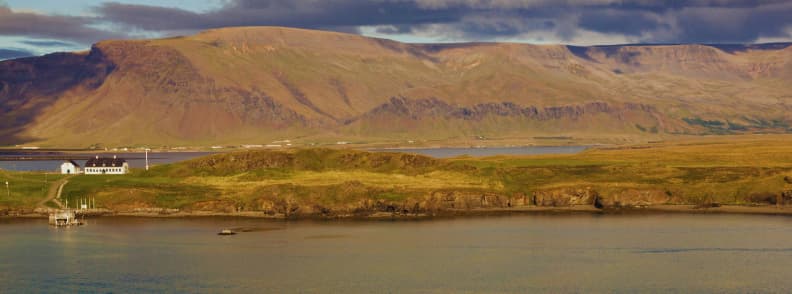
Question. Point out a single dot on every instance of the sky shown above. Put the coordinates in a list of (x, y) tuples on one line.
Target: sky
[(35, 27)]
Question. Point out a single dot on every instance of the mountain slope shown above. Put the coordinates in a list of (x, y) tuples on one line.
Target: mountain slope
[(257, 84)]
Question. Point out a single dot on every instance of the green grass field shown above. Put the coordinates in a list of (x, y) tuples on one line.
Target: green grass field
[(726, 170), (25, 189)]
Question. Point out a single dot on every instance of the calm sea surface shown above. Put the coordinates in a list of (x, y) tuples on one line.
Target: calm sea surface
[(518, 254)]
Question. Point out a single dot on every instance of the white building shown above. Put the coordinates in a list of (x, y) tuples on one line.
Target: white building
[(106, 166), (70, 168)]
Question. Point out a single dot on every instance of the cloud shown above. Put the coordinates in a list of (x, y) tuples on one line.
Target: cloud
[(655, 21), (330, 14), (14, 53), (564, 21), (715, 21), (632, 23), (60, 27), (712, 25), (47, 43)]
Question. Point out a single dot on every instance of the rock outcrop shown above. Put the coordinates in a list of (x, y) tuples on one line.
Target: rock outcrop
[(627, 198), (433, 108), (632, 198), (565, 197)]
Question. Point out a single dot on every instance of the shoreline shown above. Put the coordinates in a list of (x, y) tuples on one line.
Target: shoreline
[(528, 210)]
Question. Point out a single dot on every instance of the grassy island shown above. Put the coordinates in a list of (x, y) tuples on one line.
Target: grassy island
[(754, 171)]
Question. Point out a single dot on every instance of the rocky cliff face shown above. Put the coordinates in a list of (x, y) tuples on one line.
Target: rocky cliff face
[(284, 201), (417, 109), (566, 197)]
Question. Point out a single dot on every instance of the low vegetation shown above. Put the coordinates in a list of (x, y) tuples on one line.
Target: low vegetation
[(25, 189), (726, 170)]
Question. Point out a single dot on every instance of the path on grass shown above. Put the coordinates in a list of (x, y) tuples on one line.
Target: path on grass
[(54, 193)]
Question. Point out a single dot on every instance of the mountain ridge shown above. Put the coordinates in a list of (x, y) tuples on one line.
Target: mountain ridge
[(256, 84)]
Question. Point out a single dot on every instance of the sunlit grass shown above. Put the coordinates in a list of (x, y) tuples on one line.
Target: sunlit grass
[(25, 189), (431, 180), (726, 171)]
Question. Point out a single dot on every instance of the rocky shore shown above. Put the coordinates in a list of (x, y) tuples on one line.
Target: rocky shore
[(292, 204), (529, 209)]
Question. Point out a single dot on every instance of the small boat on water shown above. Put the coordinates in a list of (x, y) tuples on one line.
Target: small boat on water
[(64, 218), (226, 232)]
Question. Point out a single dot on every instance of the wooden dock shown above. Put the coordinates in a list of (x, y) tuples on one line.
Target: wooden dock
[(64, 218)]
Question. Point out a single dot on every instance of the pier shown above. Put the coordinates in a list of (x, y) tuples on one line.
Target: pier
[(64, 218)]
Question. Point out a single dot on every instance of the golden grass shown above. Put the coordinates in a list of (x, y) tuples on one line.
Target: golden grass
[(431, 180), (25, 189), (714, 151), (729, 170)]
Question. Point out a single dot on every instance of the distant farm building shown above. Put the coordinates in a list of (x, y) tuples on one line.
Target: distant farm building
[(106, 166), (70, 167)]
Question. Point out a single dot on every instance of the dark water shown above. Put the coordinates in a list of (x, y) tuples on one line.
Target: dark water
[(490, 151), (517, 254), (135, 160)]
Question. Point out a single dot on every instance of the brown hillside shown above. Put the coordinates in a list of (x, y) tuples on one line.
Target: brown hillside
[(257, 84)]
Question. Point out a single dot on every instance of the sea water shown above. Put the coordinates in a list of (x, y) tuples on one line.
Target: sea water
[(517, 254)]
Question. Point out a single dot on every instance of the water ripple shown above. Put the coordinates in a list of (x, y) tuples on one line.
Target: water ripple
[(685, 250)]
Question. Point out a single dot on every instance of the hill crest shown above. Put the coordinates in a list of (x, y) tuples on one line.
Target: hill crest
[(251, 84)]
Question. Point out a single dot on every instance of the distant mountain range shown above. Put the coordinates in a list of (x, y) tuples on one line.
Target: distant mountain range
[(258, 84)]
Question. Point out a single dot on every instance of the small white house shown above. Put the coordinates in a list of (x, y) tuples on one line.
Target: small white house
[(70, 168), (106, 166)]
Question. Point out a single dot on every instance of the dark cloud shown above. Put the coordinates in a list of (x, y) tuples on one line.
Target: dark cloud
[(330, 14), (655, 21), (14, 53), (709, 21), (630, 23), (59, 27), (715, 25)]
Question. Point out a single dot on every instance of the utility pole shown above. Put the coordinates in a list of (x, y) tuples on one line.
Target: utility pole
[(147, 166)]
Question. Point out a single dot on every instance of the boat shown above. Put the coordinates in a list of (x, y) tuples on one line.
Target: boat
[(226, 232)]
